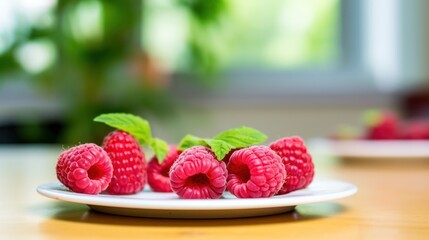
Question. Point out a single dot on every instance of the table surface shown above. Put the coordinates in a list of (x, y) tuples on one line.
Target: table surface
[(392, 203)]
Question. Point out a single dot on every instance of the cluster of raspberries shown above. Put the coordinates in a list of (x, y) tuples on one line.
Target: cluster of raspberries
[(119, 167), (386, 125), (389, 126)]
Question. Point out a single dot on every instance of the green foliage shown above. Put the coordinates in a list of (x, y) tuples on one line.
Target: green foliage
[(241, 137), (190, 141), (100, 61), (160, 148), (224, 142), (100, 54), (138, 127)]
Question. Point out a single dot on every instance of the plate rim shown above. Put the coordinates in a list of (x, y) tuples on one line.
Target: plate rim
[(51, 190), (416, 149)]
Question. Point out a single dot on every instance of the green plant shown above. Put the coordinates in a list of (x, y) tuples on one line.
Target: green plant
[(99, 62)]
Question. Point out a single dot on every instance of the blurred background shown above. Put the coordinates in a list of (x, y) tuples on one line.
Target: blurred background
[(285, 67)]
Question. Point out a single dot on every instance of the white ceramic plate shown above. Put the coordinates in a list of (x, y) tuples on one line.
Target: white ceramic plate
[(376, 149), (168, 205)]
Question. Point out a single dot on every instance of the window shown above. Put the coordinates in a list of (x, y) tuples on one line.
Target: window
[(292, 47), (277, 46), (278, 34), (273, 46)]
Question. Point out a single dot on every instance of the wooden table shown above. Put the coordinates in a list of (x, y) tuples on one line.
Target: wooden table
[(392, 203)]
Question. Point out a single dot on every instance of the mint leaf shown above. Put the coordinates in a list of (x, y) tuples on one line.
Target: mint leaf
[(226, 141), (241, 137), (220, 148), (190, 141), (372, 117), (134, 125), (139, 128), (160, 148)]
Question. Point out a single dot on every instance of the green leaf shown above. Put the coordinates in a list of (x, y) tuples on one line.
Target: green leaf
[(372, 117), (190, 141), (220, 148), (223, 143), (241, 137), (134, 125), (160, 148)]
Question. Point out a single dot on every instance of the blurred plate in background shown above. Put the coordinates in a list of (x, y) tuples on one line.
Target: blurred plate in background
[(373, 149)]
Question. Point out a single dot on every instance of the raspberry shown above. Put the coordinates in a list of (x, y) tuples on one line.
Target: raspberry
[(382, 126), (85, 169), (297, 161), (228, 156), (157, 174), (416, 130), (197, 174), (129, 164), (255, 172)]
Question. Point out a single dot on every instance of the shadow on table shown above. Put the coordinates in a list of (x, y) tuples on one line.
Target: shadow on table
[(80, 213)]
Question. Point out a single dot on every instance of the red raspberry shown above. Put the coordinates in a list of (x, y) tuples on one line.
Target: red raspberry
[(228, 156), (157, 174), (297, 161), (129, 163), (416, 130), (85, 169), (198, 174), (255, 172), (382, 126)]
